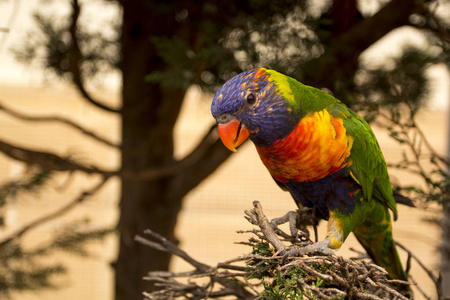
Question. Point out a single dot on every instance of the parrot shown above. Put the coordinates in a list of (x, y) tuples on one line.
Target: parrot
[(320, 151)]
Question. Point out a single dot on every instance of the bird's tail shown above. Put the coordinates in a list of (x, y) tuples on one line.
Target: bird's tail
[(376, 238), (383, 252)]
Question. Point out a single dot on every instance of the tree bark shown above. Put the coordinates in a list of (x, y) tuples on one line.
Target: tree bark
[(148, 116)]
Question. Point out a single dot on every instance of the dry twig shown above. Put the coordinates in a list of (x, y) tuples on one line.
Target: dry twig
[(267, 275)]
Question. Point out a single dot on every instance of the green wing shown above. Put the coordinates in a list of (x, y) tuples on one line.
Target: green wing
[(368, 165)]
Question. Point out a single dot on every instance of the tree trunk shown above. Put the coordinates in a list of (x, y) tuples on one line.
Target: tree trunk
[(149, 114)]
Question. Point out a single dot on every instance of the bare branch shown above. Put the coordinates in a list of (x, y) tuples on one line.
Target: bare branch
[(79, 199), (51, 161), (48, 160), (256, 217), (411, 124), (57, 119), (436, 280), (213, 154), (231, 288), (76, 58), (387, 289), (196, 156), (421, 291), (167, 246)]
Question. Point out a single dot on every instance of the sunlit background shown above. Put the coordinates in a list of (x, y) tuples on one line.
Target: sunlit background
[(213, 211)]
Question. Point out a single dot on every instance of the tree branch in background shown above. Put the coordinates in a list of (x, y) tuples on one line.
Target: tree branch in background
[(76, 58), (419, 156), (393, 15), (48, 161), (79, 199), (196, 156), (57, 119), (437, 280), (341, 63), (212, 153), (53, 162)]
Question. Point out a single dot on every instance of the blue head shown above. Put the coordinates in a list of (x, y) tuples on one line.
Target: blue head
[(250, 104)]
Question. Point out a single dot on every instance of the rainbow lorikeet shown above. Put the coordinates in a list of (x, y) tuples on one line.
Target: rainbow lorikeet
[(320, 151)]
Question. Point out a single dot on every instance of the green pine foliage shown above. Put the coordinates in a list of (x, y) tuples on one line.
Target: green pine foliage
[(284, 279)]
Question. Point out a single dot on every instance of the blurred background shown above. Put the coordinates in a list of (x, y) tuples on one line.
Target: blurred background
[(106, 129)]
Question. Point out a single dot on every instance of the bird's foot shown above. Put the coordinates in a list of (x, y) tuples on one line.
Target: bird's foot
[(290, 217), (319, 248), (298, 220)]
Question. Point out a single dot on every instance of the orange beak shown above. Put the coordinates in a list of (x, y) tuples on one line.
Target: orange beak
[(233, 134)]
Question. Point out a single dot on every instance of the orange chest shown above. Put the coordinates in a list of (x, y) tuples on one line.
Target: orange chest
[(318, 146)]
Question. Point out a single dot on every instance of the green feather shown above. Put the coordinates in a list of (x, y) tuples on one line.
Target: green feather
[(368, 164), (303, 99)]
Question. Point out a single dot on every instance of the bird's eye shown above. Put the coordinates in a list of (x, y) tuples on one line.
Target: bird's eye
[(251, 99)]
